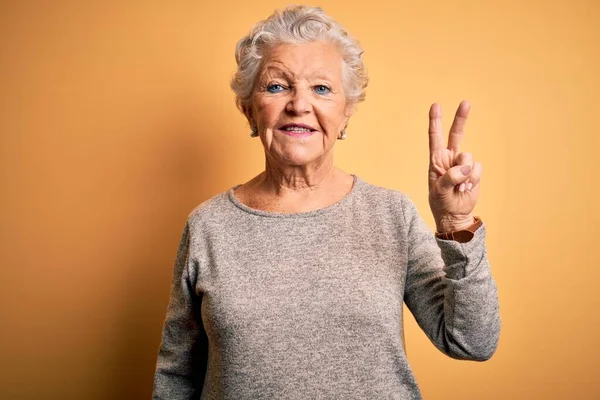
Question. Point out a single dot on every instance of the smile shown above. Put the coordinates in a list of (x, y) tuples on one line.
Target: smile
[(297, 130)]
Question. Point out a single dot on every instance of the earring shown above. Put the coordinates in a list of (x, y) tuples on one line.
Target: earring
[(343, 135), (254, 132)]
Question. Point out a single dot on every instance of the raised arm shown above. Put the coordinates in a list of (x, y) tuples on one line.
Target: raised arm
[(449, 286), (450, 290)]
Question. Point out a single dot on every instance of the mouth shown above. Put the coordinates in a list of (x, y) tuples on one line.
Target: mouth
[(297, 130)]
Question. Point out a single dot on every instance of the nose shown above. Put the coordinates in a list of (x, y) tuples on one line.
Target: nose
[(300, 101)]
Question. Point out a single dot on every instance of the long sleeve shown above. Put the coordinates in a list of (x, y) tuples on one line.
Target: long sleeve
[(181, 362), (450, 290)]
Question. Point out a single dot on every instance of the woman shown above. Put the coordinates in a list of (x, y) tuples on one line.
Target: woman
[(291, 285)]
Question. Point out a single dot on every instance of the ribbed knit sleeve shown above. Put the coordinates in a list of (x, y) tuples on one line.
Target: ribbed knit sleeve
[(450, 290)]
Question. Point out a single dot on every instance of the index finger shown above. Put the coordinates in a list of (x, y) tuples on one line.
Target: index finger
[(436, 138), (458, 125)]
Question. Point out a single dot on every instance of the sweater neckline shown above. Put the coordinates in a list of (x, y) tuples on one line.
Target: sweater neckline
[(304, 214)]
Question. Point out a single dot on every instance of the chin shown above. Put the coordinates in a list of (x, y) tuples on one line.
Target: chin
[(299, 158)]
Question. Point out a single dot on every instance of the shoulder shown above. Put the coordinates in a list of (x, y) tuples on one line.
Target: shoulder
[(372, 191), (210, 211), (385, 200)]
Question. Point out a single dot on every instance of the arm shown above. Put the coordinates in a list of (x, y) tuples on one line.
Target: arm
[(181, 362), (449, 287), (450, 290)]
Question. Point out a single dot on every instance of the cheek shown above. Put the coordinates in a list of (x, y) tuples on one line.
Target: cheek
[(331, 115), (259, 113), (267, 112)]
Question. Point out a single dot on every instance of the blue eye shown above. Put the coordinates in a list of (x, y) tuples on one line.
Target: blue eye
[(322, 89), (275, 88)]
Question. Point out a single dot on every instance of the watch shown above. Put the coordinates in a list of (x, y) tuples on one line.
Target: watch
[(462, 236)]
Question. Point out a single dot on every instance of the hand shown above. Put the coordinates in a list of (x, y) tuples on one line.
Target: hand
[(453, 176)]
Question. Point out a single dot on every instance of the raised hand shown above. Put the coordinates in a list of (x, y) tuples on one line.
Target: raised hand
[(453, 176)]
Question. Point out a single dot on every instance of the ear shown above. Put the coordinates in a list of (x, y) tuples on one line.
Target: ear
[(348, 112), (349, 109)]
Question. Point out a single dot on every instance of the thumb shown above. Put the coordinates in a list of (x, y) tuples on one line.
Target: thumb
[(455, 176)]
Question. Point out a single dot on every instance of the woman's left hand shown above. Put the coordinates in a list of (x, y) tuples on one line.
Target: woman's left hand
[(453, 176)]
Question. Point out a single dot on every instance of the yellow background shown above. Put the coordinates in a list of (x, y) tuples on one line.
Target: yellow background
[(116, 120)]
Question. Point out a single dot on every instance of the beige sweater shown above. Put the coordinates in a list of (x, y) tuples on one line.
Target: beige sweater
[(309, 305)]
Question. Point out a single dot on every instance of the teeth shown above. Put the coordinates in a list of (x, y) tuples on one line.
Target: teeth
[(297, 129)]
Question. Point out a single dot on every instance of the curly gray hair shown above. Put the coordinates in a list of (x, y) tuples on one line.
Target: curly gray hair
[(296, 24)]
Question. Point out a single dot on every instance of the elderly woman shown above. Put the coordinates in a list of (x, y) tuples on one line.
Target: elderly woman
[(291, 285)]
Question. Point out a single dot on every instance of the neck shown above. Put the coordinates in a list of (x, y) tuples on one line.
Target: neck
[(292, 189), (299, 178)]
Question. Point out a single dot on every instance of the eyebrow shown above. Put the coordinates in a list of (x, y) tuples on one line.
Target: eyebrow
[(319, 74), (277, 69)]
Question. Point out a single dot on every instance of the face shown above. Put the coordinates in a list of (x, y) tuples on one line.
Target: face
[(298, 105)]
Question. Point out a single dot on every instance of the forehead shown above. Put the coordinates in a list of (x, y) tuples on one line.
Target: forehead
[(308, 60)]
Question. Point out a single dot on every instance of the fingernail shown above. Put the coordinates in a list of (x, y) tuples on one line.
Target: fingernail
[(461, 187), (466, 170), (469, 186)]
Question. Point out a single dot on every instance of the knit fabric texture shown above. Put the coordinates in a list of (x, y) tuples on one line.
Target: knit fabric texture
[(309, 305)]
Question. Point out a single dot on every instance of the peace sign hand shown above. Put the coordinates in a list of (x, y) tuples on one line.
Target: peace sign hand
[(453, 176)]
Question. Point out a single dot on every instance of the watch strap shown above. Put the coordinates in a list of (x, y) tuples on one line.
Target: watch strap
[(462, 236)]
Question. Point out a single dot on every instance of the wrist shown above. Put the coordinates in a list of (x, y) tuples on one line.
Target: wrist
[(453, 224), (461, 235)]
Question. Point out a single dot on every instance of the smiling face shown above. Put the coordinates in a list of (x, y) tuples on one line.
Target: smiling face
[(298, 105)]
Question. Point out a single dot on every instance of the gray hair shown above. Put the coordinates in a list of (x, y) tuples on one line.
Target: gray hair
[(297, 24)]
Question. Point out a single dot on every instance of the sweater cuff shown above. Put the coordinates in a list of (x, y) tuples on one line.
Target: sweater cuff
[(461, 259)]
